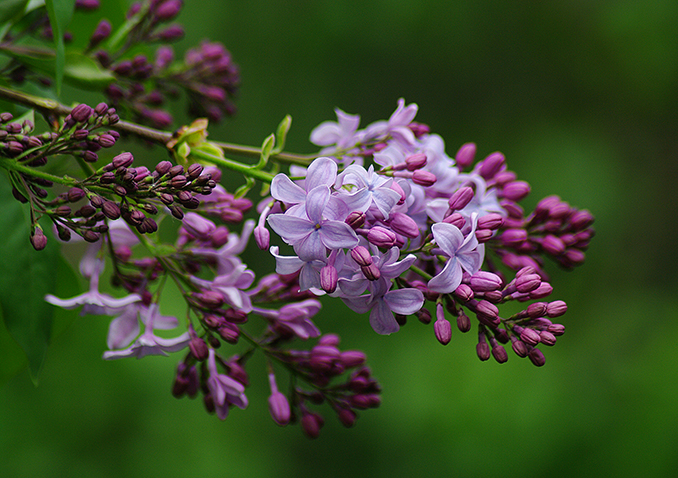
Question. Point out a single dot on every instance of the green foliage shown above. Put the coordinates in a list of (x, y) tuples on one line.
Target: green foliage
[(60, 14)]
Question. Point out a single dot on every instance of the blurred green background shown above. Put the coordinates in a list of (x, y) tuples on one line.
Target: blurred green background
[(582, 98)]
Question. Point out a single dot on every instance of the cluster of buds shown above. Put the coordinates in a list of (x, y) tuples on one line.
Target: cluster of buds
[(207, 74)]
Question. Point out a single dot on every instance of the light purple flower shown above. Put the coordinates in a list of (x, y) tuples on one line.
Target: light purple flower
[(382, 302), (371, 188), (321, 172), (148, 343), (225, 390), (309, 277), (295, 317), (396, 126), (232, 286), (341, 133), (125, 328), (311, 236), (462, 253)]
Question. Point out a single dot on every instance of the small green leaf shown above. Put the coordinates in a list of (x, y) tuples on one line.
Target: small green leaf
[(60, 13), (245, 188), (266, 149), (26, 276), (281, 134)]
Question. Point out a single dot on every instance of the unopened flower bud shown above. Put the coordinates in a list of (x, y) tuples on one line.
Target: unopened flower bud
[(556, 329), (499, 352), (381, 237), (163, 167), (491, 165), (328, 278), (515, 190), (518, 347), (537, 357), (530, 336), (361, 255), (229, 332), (111, 210), (38, 239), (311, 423), (460, 198), (456, 219), (279, 408), (403, 224), (356, 220), (75, 194), (371, 272), (123, 160), (465, 155), (464, 292), (424, 178), (463, 322), (443, 330), (483, 281), (528, 282), (198, 348), (547, 338), (415, 161)]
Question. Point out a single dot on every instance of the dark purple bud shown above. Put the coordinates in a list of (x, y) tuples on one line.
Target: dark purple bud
[(63, 211), (499, 352), (175, 170), (483, 350), (575, 256), (311, 423), (194, 170), (547, 338), (14, 128), (106, 140), (91, 236), (122, 160), (403, 224), (516, 190), (147, 226), (513, 237), (356, 220), (80, 134), (171, 33), (423, 178), (460, 199), (64, 233), (483, 281), (371, 272), (352, 358), (198, 348), (167, 10), (163, 57), (556, 329), (361, 255), (424, 316), (177, 212), (381, 237), (178, 181), (120, 190), (38, 239), (488, 310), (328, 278), (528, 282), (456, 219), (490, 221), (229, 332), (484, 235), (111, 210), (543, 290), (18, 196), (463, 322), (491, 165), (537, 309), (537, 357), (102, 31), (88, 5), (262, 237), (210, 299), (76, 194), (6, 117), (279, 408), (530, 336), (159, 118), (415, 161), (347, 417), (465, 156), (519, 347), (90, 156), (442, 327), (580, 220), (464, 292), (553, 245)]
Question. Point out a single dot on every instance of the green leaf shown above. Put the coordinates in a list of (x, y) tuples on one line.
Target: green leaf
[(10, 9), (79, 70), (266, 149), (245, 188), (60, 13), (281, 134), (26, 276)]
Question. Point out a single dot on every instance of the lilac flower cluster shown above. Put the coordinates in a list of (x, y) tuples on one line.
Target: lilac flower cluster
[(416, 226), (221, 297)]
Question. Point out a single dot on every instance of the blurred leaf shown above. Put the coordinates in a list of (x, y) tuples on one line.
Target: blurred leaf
[(266, 149), (79, 70), (60, 14), (9, 10), (12, 358), (26, 276)]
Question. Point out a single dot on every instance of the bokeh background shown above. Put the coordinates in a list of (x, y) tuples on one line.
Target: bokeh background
[(582, 97)]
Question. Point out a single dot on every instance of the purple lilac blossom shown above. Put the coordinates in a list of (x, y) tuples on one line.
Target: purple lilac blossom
[(225, 390)]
